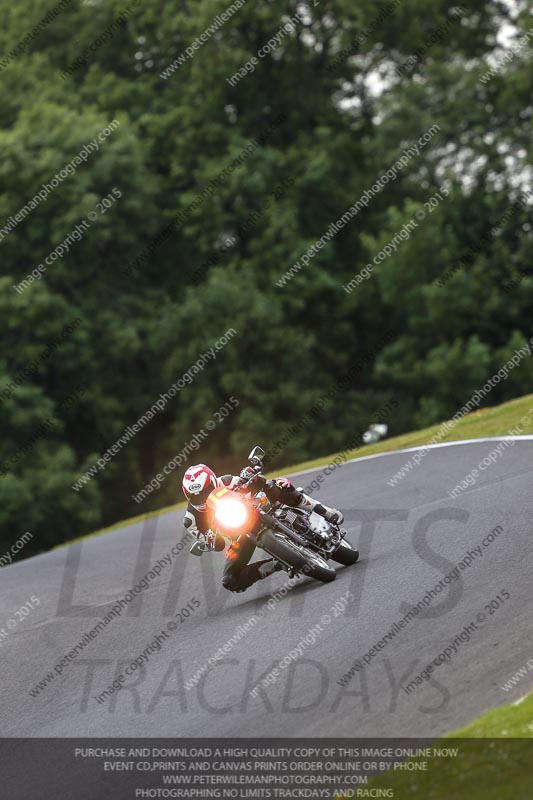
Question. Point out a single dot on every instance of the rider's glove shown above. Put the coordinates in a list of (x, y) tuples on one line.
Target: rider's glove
[(207, 538), (248, 474), (214, 541)]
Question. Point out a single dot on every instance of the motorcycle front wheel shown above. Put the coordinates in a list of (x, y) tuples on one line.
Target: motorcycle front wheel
[(297, 557), (345, 554)]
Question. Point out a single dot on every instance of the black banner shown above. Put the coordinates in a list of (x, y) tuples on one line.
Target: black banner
[(126, 769)]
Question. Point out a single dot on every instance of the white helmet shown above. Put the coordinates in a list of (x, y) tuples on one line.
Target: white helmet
[(198, 483)]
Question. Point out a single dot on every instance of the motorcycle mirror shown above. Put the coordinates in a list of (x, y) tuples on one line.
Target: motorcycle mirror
[(256, 456), (196, 549)]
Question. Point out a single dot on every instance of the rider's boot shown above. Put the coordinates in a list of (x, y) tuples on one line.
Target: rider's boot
[(332, 515), (267, 568)]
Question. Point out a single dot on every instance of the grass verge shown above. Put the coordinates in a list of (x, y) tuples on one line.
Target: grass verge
[(494, 762)]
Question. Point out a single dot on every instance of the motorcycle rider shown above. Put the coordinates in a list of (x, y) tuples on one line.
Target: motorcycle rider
[(200, 480)]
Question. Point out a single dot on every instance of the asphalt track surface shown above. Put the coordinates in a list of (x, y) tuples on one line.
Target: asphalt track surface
[(410, 536)]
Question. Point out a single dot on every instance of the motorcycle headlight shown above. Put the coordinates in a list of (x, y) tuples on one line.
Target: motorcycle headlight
[(231, 513)]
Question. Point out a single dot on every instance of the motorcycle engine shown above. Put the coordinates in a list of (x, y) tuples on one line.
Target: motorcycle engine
[(312, 526), (319, 526)]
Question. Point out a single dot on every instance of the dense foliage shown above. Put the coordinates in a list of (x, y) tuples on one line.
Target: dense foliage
[(219, 190)]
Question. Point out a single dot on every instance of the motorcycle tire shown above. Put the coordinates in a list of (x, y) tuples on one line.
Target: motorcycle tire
[(345, 554)]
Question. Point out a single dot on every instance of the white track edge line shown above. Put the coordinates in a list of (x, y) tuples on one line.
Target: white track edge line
[(526, 437)]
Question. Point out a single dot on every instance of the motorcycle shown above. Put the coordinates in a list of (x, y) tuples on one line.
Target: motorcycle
[(301, 541)]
